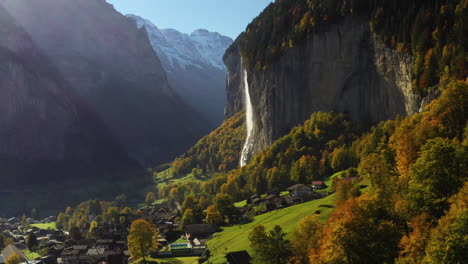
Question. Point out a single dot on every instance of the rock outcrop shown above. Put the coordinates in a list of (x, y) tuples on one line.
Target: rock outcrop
[(113, 67), (344, 69), (194, 66)]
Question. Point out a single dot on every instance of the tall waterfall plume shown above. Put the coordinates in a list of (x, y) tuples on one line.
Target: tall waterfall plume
[(249, 123)]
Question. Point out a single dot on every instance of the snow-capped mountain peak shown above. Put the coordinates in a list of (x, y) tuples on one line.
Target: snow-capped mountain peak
[(200, 49)]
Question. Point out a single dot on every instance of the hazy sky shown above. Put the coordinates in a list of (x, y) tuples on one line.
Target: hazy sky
[(228, 17)]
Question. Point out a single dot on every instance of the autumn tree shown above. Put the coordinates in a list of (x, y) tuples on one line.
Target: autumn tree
[(359, 231), (439, 172), (5, 241), (374, 169), (344, 190), (13, 259), (190, 202), (305, 238), (93, 225), (110, 214), (213, 216), (150, 198), (413, 245), (258, 242), (188, 218), (143, 238), (304, 169), (225, 205), (448, 242), (126, 211)]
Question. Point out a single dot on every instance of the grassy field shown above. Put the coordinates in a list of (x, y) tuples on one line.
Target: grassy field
[(46, 226), (186, 260), (165, 177), (31, 255), (235, 238)]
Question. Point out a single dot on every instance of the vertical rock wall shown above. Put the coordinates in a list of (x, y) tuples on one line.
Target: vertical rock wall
[(344, 69)]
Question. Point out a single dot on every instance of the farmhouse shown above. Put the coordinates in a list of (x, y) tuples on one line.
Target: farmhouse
[(199, 230), (299, 190), (319, 185), (238, 257)]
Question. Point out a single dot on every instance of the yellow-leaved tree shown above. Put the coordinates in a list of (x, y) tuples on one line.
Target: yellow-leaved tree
[(13, 259), (142, 239)]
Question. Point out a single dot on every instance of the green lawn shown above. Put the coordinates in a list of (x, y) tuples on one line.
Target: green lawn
[(185, 260), (165, 177), (241, 203), (31, 255), (235, 238), (46, 226)]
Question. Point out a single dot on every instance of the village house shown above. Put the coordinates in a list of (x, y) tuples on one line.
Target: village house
[(199, 231), (299, 190), (11, 250), (238, 257), (319, 185)]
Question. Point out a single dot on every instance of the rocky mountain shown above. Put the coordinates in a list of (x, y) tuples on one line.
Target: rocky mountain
[(194, 66), (112, 66), (46, 131), (369, 61), (344, 69)]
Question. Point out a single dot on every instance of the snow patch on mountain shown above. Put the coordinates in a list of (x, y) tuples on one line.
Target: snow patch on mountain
[(200, 49)]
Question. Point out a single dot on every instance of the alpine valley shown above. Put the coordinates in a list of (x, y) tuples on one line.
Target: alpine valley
[(338, 132)]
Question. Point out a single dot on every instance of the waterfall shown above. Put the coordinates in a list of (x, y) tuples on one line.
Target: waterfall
[(249, 123)]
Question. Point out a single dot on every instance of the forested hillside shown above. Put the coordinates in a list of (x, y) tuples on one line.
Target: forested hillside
[(433, 31), (217, 152)]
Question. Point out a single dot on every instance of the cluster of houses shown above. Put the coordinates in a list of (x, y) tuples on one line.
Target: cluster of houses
[(107, 243), (56, 246), (298, 193)]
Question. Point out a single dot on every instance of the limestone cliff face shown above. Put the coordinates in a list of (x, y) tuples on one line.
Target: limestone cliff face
[(344, 69), (111, 64)]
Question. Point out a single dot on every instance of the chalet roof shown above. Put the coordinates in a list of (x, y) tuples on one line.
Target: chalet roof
[(71, 252), (200, 229), (95, 251), (10, 250), (239, 257), (104, 241), (80, 247), (296, 186), (318, 183)]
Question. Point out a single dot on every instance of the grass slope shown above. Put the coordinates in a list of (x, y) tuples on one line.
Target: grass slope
[(235, 238)]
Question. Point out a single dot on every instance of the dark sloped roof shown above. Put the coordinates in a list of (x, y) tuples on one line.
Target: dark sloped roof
[(200, 229), (239, 257), (296, 186), (10, 250)]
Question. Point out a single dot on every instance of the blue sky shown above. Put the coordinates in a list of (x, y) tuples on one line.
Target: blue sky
[(228, 17)]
